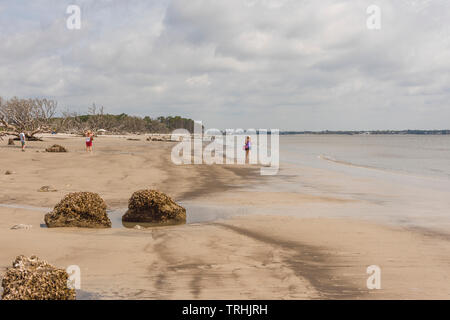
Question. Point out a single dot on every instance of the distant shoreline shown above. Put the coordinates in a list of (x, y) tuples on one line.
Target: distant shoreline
[(400, 132), (354, 132)]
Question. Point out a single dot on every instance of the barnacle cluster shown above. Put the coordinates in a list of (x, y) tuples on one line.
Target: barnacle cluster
[(154, 207), (79, 209), (56, 148), (30, 278)]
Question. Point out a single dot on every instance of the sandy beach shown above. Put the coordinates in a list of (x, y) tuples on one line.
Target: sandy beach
[(265, 254)]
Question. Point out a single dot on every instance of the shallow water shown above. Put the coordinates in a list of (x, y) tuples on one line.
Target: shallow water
[(115, 215), (195, 213), (19, 206), (398, 179)]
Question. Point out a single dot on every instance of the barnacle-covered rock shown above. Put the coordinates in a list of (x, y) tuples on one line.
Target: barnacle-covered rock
[(152, 206), (10, 142), (35, 279), (79, 209), (56, 148)]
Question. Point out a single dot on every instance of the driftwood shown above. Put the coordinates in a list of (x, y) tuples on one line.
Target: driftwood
[(30, 116)]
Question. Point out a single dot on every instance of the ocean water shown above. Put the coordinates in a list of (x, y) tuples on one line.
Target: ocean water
[(395, 179), (398, 179), (427, 155)]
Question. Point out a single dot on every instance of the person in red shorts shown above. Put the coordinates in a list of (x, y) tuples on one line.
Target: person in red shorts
[(89, 140)]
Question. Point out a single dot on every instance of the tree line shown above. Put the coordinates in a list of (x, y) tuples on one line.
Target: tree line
[(34, 116)]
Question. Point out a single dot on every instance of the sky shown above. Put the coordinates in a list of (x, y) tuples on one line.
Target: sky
[(264, 64)]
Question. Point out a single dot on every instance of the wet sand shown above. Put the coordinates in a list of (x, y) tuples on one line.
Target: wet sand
[(254, 256)]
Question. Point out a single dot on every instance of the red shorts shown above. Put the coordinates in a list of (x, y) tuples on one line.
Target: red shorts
[(89, 144)]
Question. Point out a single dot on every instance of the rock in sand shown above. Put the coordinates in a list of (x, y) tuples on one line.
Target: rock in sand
[(79, 209), (56, 148), (35, 279), (46, 189), (152, 206)]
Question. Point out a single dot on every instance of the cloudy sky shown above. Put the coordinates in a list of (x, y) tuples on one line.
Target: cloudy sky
[(287, 64)]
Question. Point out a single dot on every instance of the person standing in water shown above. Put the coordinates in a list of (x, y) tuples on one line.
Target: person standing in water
[(247, 147), (89, 140), (22, 140)]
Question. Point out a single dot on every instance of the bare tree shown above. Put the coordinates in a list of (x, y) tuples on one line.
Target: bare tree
[(33, 116), (30, 116), (64, 123), (78, 124), (97, 119)]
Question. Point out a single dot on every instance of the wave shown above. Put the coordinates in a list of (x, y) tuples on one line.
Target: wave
[(434, 172), (350, 164)]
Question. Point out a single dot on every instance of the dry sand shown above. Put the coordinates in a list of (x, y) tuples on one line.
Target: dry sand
[(247, 257)]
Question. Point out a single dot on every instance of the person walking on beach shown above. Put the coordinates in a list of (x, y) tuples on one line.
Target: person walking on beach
[(89, 140), (22, 140), (247, 147)]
